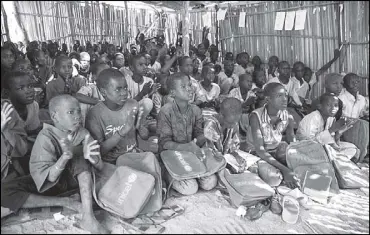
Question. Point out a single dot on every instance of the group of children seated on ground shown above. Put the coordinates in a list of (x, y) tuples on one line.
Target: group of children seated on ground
[(62, 115)]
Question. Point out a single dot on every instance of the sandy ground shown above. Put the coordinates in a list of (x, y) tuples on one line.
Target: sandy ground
[(210, 212)]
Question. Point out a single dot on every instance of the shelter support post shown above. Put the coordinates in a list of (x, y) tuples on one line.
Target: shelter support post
[(185, 28), (5, 22), (126, 27)]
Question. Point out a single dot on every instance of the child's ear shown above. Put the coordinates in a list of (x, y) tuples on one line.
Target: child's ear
[(6, 93), (53, 116), (103, 92), (172, 93)]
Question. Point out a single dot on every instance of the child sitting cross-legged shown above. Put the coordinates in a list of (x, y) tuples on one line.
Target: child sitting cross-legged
[(89, 95), (180, 128), (115, 122), (61, 160), (222, 132), (268, 125), (322, 127)]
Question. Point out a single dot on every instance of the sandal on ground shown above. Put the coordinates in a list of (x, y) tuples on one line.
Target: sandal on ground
[(290, 210), (256, 212)]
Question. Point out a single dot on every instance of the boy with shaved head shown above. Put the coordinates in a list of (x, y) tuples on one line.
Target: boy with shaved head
[(61, 160)]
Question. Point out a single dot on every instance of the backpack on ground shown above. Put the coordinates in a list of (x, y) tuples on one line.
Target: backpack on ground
[(246, 188), (311, 156), (183, 165), (148, 163), (122, 190), (349, 175)]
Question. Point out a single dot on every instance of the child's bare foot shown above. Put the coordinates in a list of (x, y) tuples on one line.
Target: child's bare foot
[(89, 223)]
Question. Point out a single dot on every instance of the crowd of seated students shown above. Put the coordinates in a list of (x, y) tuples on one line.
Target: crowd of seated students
[(57, 108)]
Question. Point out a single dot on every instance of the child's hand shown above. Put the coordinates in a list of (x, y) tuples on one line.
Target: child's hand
[(251, 100), (129, 124), (155, 87), (91, 149), (335, 146), (6, 110), (139, 117), (146, 88), (66, 146)]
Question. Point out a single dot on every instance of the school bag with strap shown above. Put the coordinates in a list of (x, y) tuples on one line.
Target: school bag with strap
[(246, 188), (308, 155), (349, 175), (122, 190), (148, 163), (183, 165)]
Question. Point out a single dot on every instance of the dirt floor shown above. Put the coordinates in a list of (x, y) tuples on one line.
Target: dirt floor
[(210, 212)]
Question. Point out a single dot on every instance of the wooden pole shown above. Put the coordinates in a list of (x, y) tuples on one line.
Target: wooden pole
[(126, 26), (19, 21), (101, 21), (217, 27), (39, 11), (71, 25), (185, 28), (5, 22)]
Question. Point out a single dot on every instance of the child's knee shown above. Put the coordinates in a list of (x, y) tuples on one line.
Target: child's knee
[(147, 104), (280, 153), (208, 183), (269, 174), (186, 187)]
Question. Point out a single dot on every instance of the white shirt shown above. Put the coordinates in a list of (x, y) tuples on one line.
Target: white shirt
[(302, 90), (353, 107), (238, 69), (291, 88), (156, 67), (226, 82), (134, 88), (235, 93), (312, 127), (207, 96)]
